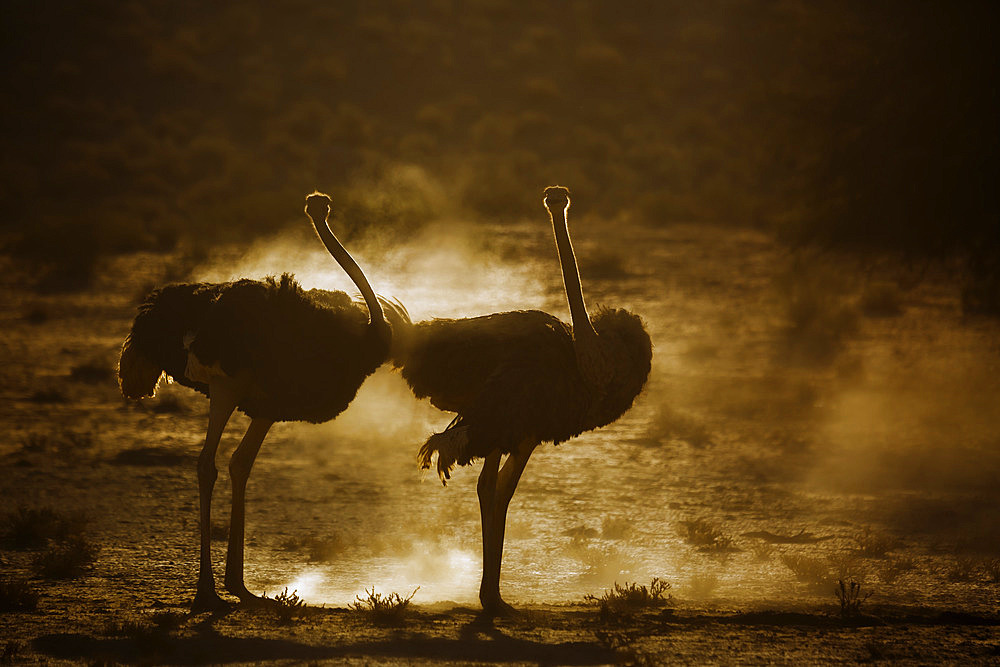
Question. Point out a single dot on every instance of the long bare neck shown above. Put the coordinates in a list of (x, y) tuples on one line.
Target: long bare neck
[(582, 327), (339, 252)]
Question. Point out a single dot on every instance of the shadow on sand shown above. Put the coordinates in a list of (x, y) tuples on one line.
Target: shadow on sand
[(216, 649)]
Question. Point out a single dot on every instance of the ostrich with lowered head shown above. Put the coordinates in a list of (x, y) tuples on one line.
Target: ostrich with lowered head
[(267, 348), (518, 379)]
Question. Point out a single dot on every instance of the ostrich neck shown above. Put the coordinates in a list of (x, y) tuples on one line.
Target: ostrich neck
[(582, 327), (352, 269)]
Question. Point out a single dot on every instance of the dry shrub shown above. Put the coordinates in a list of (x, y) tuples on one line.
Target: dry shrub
[(319, 550), (66, 559), (391, 609), (851, 598), (17, 595), (873, 544), (53, 395), (287, 606), (706, 536), (92, 371), (615, 528), (890, 569), (624, 600), (672, 424), (12, 651), (30, 528), (701, 586), (881, 299), (812, 571)]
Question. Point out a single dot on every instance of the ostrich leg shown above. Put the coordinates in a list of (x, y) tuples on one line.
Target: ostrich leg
[(487, 490), (221, 406), (240, 466), (509, 476)]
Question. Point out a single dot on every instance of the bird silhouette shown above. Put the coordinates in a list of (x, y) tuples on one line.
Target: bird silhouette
[(518, 379), (268, 348)]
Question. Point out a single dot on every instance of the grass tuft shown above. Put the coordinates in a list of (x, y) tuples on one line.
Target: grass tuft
[(31, 528), (706, 536), (53, 395), (93, 371), (873, 544), (66, 559), (624, 600), (17, 595), (287, 607), (851, 598), (379, 609), (12, 651)]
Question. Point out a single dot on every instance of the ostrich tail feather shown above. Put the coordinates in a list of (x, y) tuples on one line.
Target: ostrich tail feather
[(450, 447), (137, 375)]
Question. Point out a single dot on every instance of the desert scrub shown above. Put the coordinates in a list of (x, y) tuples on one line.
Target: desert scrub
[(624, 600), (701, 586), (615, 528), (31, 528), (812, 571), (851, 598), (318, 550), (873, 544), (706, 536), (92, 371), (17, 595), (66, 559), (391, 609), (286, 606), (890, 569), (12, 651), (671, 424)]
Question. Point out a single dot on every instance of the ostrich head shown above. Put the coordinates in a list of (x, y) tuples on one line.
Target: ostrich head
[(318, 206), (556, 197)]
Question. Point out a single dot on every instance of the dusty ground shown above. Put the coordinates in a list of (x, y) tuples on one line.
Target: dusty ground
[(808, 419)]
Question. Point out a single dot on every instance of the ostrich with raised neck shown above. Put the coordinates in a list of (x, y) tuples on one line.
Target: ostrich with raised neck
[(267, 348), (518, 379)]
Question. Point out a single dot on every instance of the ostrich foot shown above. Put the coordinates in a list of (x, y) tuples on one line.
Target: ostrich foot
[(246, 597), (496, 607), (206, 599)]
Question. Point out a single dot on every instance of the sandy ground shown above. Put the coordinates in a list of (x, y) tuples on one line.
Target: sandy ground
[(813, 426)]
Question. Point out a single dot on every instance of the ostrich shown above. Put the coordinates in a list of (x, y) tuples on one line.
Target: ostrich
[(267, 348), (518, 379)]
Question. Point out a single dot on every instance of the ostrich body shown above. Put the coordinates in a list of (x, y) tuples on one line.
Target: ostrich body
[(518, 379), (267, 348)]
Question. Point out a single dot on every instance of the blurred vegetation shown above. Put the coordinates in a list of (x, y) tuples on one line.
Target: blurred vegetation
[(133, 125)]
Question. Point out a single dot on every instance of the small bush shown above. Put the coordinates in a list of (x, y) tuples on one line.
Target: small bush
[(36, 315), (318, 550), (992, 567), (625, 600), (615, 528), (672, 424), (66, 559), (287, 606), (891, 568), (872, 544), (168, 404), (17, 595), (812, 571), (705, 535), (48, 396), (702, 586), (379, 609), (881, 300), (12, 650), (851, 598), (963, 569), (92, 372), (28, 528)]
